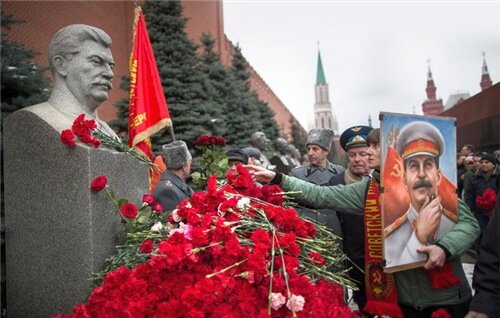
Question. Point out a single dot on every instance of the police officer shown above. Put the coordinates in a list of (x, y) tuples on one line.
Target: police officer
[(172, 187), (319, 171), (354, 142)]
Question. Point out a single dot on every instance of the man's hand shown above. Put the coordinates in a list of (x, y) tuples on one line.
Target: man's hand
[(427, 222), (436, 256), (473, 314), (260, 174)]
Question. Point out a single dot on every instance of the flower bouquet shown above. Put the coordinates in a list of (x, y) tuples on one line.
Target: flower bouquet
[(487, 201), (232, 251), (87, 132)]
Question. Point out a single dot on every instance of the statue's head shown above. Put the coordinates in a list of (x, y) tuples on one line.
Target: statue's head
[(80, 59), (259, 140), (281, 145)]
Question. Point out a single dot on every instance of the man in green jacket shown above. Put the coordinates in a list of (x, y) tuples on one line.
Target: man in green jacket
[(416, 296)]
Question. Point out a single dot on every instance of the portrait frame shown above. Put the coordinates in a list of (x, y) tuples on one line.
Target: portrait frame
[(401, 194)]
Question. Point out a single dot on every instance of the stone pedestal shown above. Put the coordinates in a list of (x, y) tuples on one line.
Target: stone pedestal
[(57, 230)]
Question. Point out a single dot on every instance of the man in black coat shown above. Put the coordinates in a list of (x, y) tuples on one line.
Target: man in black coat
[(354, 141), (486, 277), (172, 188)]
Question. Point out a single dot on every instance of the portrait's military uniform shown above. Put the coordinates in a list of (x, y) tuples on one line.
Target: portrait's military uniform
[(400, 240), (171, 189), (320, 176)]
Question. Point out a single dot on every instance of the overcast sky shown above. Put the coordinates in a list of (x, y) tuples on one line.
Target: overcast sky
[(374, 53)]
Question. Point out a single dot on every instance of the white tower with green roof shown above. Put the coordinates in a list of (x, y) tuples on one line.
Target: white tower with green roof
[(323, 114)]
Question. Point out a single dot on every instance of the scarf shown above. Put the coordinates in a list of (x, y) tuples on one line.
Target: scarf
[(381, 293)]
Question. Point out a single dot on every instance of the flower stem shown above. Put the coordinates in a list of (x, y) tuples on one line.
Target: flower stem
[(225, 269)]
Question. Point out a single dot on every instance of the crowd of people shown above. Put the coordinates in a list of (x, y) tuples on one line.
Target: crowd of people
[(339, 197), (336, 196)]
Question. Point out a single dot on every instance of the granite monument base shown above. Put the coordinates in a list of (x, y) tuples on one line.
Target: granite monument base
[(57, 230)]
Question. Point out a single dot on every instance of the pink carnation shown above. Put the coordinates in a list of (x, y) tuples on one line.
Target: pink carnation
[(295, 303), (277, 300)]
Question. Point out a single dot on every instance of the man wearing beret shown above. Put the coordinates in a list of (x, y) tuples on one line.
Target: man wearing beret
[(354, 142), (420, 145), (319, 171), (172, 188)]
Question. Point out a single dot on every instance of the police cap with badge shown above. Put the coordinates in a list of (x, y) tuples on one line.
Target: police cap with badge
[(356, 136)]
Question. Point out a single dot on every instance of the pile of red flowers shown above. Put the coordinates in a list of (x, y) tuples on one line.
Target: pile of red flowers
[(487, 200), (234, 252)]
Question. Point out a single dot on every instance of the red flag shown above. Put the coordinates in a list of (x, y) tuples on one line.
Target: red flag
[(148, 112)]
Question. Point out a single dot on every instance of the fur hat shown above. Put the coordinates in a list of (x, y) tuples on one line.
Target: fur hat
[(489, 157), (321, 137), (176, 155), (419, 138), (237, 155)]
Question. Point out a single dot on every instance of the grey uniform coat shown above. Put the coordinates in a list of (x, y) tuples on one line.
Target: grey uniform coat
[(170, 190), (319, 176)]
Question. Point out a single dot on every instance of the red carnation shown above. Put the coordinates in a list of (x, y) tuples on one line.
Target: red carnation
[(95, 142), (146, 247), (129, 210), (68, 138), (487, 200), (148, 199), (98, 183), (158, 207), (440, 313), (316, 258)]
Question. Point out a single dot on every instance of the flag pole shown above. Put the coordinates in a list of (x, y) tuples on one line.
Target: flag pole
[(171, 132)]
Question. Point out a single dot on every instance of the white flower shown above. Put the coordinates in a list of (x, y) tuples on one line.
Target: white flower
[(243, 204), (157, 227), (184, 229), (277, 300), (176, 216), (295, 303)]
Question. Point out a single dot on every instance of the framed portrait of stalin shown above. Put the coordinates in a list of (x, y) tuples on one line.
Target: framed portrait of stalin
[(418, 178)]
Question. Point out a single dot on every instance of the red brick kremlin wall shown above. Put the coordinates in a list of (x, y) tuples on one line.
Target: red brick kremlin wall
[(43, 18)]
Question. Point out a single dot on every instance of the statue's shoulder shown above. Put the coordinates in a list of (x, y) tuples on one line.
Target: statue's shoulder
[(47, 113)]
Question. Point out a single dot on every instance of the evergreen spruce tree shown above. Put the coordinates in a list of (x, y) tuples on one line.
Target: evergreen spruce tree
[(215, 84), (23, 84), (299, 139), (23, 81), (248, 114)]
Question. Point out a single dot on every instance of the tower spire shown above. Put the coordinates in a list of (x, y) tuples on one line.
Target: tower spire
[(320, 74), (323, 114), (431, 106), (429, 72), (485, 75)]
